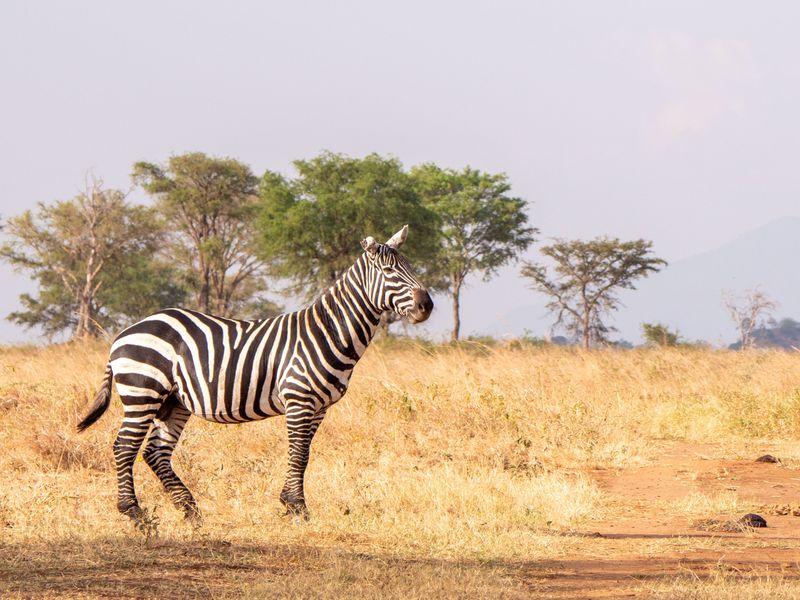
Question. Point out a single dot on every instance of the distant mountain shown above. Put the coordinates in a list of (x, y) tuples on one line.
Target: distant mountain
[(687, 295)]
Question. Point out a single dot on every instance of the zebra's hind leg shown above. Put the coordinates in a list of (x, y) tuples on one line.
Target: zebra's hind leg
[(167, 428), (135, 424)]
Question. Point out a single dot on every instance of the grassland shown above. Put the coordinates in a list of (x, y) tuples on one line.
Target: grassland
[(444, 472)]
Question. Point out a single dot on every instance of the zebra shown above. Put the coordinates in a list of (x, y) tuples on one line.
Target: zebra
[(178, 362)]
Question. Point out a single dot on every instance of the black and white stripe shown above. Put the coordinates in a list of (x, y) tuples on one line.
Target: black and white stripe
[(177, 363)]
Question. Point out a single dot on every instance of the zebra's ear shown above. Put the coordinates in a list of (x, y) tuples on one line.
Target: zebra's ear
[(398, 238), (369, 244)]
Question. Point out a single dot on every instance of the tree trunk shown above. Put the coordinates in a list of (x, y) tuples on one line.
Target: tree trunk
[(457, 281), (586, 329), (205, 292), (85, 321), (83, 328), (586, 317)]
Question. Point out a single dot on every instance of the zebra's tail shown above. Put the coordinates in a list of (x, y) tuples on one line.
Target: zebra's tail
[(101, 401)]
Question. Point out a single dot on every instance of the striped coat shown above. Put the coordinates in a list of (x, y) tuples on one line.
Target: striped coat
[(177, 363)]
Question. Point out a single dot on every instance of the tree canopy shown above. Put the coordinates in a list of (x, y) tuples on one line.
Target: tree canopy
[(482, 227), (310, 225), (585, 279), (658, 334), (216, 234), (92, 257), (212, 205)]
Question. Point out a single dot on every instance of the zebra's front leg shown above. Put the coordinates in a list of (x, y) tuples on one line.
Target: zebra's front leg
[(302, 423)]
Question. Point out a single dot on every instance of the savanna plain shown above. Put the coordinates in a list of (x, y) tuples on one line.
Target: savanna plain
[(510, 471)]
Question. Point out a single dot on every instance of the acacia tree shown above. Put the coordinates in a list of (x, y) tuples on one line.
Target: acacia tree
[(310, 225), (84, 253), (749, 312), (212, 204), (585, 280), (482, 227)]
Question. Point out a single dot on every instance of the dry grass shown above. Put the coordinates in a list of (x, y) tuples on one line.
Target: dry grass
[(724, 585), (698, 503), (434, 459)]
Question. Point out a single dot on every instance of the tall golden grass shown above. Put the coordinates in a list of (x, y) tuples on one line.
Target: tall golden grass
[(466, 453)]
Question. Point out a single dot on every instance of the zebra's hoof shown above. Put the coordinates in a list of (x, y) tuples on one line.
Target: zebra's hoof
[(297, 510), (133, 512), (191, 515), (144, 521)]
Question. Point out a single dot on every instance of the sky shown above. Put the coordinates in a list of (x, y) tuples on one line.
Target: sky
[(671, 121)]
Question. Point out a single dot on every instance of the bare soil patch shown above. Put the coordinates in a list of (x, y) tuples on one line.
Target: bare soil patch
[(643, 539)]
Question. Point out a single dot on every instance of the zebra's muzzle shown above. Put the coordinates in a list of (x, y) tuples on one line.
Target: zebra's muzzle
[(423, 306)]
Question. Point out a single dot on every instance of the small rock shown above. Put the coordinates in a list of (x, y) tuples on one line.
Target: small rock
[(768, 458), (753, 520)]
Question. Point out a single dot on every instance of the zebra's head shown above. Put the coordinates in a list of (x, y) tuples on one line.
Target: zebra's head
[(391, 284)]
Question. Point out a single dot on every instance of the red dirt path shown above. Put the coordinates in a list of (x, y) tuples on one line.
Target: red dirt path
[(642, 542)]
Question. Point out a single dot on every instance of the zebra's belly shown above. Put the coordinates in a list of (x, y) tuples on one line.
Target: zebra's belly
[(229, 419), (256, 400), (233, 410)]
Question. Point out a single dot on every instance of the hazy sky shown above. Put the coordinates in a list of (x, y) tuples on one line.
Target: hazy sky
[(674, 121)]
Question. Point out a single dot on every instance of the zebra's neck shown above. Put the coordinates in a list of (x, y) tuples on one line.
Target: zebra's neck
[(346, 313)]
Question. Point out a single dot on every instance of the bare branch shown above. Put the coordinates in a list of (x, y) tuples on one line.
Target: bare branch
[(748, 312)]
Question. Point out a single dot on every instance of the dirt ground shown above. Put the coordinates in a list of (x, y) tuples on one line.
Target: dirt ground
[(639, 542)]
